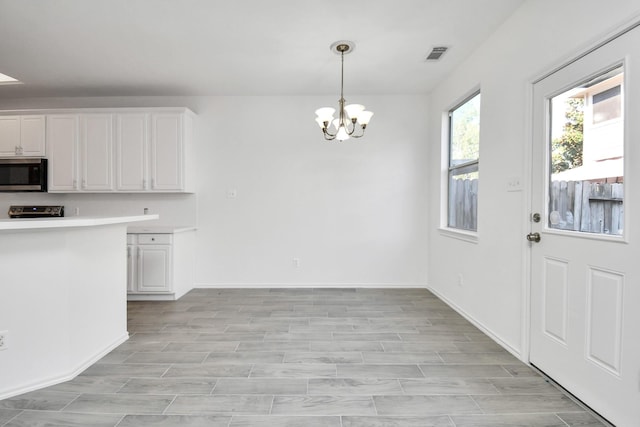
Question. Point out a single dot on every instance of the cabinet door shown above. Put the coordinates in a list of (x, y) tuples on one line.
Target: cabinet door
[(32, 133), (62, 149), (132, 268), (167, 152), (97, 152), (9, 135), (131, 152), (154, 268)]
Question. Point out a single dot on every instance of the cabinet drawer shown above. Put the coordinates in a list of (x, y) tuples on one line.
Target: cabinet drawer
[(154, 239)]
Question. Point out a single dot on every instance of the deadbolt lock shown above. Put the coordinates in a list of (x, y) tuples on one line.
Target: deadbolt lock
[(535, 217)]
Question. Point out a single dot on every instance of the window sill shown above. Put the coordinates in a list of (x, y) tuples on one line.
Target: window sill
[(467, 236)]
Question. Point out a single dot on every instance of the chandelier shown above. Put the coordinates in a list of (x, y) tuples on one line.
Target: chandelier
[(352, 119)]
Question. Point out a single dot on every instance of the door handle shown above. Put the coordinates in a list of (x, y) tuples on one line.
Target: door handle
[(533, 237)]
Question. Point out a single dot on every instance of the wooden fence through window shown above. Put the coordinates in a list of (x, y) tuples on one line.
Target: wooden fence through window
[(586, 206), (463, 204)]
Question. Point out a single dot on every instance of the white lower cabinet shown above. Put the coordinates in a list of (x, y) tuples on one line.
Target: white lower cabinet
[(153, 271)]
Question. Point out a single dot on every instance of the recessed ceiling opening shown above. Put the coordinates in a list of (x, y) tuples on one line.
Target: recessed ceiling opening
[(4, 79)]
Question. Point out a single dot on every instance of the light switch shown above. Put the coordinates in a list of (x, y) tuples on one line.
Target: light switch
[(514, 184), (232, 193)]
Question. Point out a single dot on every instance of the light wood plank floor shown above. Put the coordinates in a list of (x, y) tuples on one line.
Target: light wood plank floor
[(301, 357)]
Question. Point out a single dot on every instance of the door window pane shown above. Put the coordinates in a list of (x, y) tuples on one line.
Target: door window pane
[(586, 185)]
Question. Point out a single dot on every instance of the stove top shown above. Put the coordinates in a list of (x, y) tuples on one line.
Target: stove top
[(36, 211)]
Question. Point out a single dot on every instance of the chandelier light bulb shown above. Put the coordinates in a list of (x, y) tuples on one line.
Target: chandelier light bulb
[(364, 117), (342, 134), (353, 110), (325, 114), (320, 122)]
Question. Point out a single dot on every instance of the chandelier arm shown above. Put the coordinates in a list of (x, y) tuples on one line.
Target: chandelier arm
[(353, 127), (328, 135), (362, 128)]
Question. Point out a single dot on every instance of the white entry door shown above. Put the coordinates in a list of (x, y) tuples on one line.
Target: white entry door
[(585, 281)]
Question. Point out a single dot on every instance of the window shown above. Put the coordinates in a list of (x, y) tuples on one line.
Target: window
[(464, 151)]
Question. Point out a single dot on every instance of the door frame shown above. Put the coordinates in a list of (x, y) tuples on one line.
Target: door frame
[(527, 169)]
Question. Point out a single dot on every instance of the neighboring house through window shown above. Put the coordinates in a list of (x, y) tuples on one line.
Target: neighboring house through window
[(464, 156)]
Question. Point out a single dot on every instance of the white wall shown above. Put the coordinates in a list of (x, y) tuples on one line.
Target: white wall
[(353, 213), (541, 35)]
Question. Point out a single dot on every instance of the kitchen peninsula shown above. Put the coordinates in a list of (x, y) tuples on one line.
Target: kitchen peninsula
[(63, 297)]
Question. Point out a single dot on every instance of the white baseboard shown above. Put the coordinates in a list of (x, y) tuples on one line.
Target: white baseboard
[(517, 353), (258, 285), (57, 379), (151, 297)]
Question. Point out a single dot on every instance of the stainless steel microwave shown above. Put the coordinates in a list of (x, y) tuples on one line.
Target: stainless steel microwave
[(17, 175)]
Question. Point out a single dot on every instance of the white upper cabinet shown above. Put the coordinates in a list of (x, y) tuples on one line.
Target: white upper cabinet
[(119, 150), (96, 146), (9, 135), (152, 151), (132, 147), (80, 152), (167, 152), (22, 136), (32, 135), (62, 149)]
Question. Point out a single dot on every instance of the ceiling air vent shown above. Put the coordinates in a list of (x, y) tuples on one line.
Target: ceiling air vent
[(436, 53)]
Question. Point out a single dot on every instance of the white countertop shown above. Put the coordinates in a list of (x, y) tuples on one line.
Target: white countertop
[(158, 229), (71, 221)]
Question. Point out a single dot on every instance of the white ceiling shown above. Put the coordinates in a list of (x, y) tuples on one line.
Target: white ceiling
[(235, 47)]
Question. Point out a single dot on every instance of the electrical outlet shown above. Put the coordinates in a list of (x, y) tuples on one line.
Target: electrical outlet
[(3, 340), (296, 262), (460, 279)]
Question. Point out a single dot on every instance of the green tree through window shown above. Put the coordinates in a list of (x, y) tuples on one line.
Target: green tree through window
[(566, 151)]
